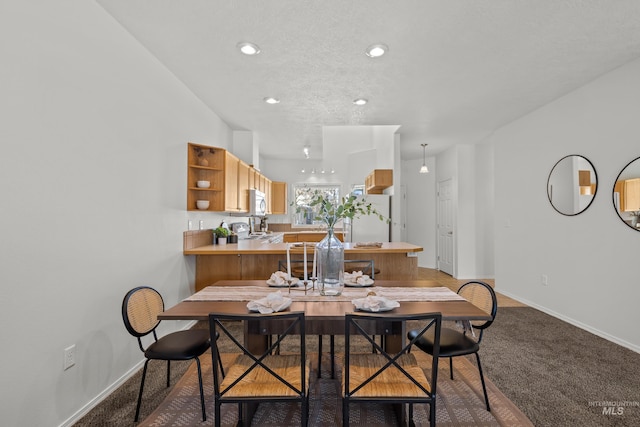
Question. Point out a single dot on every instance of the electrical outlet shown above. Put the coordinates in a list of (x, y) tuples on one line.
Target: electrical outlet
[(189, 225), (201, 225), (544, 279), (69, 357)]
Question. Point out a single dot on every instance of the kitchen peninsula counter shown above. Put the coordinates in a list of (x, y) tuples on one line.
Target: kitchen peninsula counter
[(256, 259)]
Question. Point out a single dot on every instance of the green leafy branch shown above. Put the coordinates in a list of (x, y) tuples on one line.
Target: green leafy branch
[(349, 207)]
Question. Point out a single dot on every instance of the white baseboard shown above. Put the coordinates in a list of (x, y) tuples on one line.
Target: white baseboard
[(110, 389), (575, 323)]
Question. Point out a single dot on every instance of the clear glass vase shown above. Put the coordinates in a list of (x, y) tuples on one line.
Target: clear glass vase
[(330, 254)]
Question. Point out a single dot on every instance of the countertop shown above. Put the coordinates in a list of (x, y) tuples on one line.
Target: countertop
[(262, 246)]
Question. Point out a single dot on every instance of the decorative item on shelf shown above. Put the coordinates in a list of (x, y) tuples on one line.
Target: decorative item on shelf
[(202, 204), (203, 184), (330, 250), (202, 160), (221, 234)]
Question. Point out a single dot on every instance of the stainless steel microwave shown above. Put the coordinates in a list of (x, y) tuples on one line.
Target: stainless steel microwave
[(257, 203)]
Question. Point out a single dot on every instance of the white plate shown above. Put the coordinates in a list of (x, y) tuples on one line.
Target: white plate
[(273, 284), (363, 304), (277, 306), (367, 283), (379, 311)]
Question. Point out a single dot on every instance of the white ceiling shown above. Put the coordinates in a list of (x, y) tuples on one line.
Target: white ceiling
[(456, 69)]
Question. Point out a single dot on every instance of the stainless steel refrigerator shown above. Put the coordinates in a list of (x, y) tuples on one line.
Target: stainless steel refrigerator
[(369, 228)]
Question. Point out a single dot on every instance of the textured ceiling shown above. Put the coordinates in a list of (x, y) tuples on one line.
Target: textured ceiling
[(456, 70)]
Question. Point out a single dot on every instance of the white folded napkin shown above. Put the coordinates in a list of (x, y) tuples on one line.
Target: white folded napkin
[(279, 278), (375, 303), (272, 303), (356, 277)]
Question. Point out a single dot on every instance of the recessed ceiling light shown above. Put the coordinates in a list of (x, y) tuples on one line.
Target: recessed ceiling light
[(376, 50), (360, 101), (270, 100), (248, 48)]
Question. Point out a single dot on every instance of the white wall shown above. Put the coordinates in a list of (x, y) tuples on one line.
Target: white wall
[(353, 151), (92, 176), (591, 260), (470, 169), (484, 211), (421, 208)]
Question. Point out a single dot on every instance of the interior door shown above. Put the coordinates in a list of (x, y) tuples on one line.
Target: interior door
[(403, 210), (445, 226)]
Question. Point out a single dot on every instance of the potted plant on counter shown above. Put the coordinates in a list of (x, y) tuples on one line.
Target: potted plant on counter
[(221, 234)]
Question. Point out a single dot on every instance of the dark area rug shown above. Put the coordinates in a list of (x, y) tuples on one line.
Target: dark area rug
[(460, 403)]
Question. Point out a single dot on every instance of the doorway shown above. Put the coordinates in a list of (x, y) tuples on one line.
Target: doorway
[(444, 220)]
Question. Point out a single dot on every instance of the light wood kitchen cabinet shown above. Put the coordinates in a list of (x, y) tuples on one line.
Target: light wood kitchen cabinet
[(252, 178), (229, 179), (629, 191), (278, 198), (289, 237), (205, 163), (243, 186), (267, 194), (378, 180), (262, 183), (232, 164), (308, 236)]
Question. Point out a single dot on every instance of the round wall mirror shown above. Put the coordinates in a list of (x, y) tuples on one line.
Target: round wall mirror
[(572, 185), (626, 194)]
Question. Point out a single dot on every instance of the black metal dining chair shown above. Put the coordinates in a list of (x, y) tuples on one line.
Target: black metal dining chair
[(453, 342), (264, 377), (384, 377), (140, 309)]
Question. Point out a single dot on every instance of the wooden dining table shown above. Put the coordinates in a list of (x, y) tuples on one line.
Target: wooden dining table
[(323, 315)]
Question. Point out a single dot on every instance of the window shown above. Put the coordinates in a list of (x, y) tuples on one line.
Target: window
[(303, 213)]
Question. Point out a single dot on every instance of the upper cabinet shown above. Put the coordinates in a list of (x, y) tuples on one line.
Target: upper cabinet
[(231, 195), (267, 194), (244, 170), (205, 177), (378, 180), (629, 193), (278, 198), (219, 181)]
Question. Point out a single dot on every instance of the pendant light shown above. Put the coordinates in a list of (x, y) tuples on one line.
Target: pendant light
[(424, 168)]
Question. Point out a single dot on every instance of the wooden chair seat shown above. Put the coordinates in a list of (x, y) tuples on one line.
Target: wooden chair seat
[(391, 382), (259, 382)]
